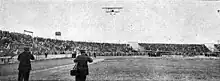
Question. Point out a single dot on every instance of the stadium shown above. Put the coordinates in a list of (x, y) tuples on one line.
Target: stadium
[(159, 46)]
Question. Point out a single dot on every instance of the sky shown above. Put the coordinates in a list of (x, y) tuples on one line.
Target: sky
[(147, 21)]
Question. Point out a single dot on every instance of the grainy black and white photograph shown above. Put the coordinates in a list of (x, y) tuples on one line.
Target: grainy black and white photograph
[(109, 40)]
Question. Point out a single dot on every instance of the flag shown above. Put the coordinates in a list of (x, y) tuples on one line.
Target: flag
[(28, 31), (58, 33)]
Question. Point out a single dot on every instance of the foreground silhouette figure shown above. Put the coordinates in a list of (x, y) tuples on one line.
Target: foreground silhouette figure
[(82, 65), (25, 64)]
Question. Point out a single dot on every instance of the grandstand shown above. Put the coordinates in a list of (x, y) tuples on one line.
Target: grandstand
[(10, 40), (183, 49), (176, 47), (54, 46)]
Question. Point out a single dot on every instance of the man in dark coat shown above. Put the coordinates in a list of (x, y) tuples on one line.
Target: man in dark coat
[(82, 65), (94, 54), (46, 54), (25, 64)]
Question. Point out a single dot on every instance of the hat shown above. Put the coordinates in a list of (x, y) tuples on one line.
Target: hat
[(82, 51), (26, 49)]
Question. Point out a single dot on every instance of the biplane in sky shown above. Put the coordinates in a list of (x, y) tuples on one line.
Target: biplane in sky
[(112, 10)]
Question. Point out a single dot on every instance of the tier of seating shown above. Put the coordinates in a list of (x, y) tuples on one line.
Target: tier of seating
[(12, 40), (176, 47)]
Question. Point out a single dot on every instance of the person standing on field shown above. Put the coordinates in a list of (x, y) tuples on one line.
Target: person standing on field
[(45, 53), (24, 65), (82, 65), (94, 54)]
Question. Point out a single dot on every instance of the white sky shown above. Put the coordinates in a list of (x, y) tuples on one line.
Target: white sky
[(152, 21)]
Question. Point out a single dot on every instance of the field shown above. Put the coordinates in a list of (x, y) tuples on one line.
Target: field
[(141, 68)]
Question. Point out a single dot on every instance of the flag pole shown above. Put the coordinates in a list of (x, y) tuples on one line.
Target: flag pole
[(32, 33)]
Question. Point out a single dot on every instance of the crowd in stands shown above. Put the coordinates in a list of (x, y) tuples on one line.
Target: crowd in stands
[(176, 47), (41, 45), (13, 40)]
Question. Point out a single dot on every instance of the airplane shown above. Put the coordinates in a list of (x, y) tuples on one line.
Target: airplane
[(112, 9)]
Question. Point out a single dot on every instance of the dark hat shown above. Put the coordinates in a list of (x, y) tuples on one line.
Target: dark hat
[(26, 48), (82, 51)]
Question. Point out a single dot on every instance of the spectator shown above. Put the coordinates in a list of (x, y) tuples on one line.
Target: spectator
[(46, 54), (24, 65), (94, 54)]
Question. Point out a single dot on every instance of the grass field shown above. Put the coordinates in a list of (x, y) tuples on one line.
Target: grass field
[(139, 68)]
